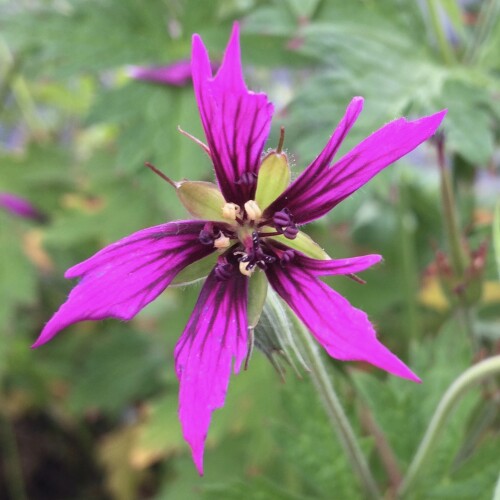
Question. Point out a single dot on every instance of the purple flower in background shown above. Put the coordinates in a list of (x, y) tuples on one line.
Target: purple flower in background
[(246, 229), (177, 74), (20, 207)]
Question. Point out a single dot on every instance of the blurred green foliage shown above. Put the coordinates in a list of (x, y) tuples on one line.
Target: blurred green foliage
[(74, 134)]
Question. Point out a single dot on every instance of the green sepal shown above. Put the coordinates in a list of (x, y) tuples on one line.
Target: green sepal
[(305, 244), (273, 179), (202, 200), (196, 271), (257, 293)]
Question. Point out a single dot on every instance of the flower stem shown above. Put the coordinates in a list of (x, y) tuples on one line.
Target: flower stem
[(409, 270), (336, 414), (455, 246), (438, 28), (452, 226), (457, 389)]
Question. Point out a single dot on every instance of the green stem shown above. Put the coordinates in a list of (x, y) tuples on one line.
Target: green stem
[(451, 224), (409, 270), (486, 21), (336, 414), (438, 28), (457, 389)]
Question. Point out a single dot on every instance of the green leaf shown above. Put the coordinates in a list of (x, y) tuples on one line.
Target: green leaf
[(496, 236), (121, 366)]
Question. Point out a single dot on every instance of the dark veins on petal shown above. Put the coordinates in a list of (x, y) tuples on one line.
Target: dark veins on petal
[(216, 292)]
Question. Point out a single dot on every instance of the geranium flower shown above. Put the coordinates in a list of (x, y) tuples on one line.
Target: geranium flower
[(246, 230), (20, 207), (176, 74)]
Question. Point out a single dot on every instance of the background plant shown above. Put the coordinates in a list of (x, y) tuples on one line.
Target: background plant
[(100, 403)]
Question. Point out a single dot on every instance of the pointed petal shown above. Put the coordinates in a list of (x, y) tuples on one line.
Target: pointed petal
[(177, 73), (124, 277), (20, 207), (344, 331), (337, 266), (215, 334), (357, 167), (236, 121), (309, 176)]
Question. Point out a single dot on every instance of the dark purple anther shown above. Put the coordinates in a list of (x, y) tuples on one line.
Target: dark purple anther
[(284, 224), (206, 237), (255, 238), (223, 271), (287, 257), (282, 218), (291, 232)]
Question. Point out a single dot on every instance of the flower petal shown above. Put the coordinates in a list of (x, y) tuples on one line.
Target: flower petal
[(344, 331), (20, 207), (337, 266), (236, 121), (357, 167), (177, 73), (215, 334), (124, 277), (309, 176)]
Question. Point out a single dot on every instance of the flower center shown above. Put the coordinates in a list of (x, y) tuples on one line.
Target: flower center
[(244, 242)]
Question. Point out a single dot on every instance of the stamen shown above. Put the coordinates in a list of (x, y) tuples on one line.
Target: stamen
[(162, 175), (291, 232), (357, 279), (284, 224), (246, 269), (265, 235), (222, 241), (206, 237), (195, 140), (252, 210), (287, 256), (230, 211), (281, 141)]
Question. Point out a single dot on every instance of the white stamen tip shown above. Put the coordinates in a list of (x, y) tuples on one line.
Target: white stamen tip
[(230, 211), (222, 242), (244, 270), (252, 209)]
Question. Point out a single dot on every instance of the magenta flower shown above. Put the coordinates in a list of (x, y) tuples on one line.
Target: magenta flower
[(177, 73), (20, 207), (246, 230)]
